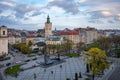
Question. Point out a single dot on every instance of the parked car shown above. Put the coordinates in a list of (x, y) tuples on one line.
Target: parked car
[(18, 62), (8, 64), (34, 58), (27, 60)]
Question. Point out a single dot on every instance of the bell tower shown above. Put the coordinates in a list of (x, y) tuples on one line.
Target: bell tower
[(3, 40), (48, 27)]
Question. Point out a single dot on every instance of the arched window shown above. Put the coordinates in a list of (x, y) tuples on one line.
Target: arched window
[(3, 32)]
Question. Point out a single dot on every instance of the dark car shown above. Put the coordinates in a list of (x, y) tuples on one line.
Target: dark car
[(8, 64), (34, 58), (27, 60)]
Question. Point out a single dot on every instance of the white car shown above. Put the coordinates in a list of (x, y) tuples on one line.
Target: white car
[(18, 62)]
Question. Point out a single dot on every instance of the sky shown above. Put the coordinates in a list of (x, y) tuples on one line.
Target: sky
[(32, 14)]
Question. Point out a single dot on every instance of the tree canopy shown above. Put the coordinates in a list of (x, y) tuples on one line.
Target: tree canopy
[(97, 60), (23, 48)]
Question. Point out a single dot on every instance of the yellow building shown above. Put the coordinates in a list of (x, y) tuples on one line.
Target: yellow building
[(28, 39)]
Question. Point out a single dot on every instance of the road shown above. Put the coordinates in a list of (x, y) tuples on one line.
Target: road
[(116, 73)]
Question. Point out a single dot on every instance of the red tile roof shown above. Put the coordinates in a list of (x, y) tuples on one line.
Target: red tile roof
[(69, 32)]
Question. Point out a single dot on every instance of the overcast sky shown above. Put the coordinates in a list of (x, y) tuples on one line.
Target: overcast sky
[(32, 14)]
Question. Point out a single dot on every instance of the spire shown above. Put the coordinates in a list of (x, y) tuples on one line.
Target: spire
[(48, 19)]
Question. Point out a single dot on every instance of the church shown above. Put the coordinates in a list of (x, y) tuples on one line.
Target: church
[(48, 27), (3, 41)]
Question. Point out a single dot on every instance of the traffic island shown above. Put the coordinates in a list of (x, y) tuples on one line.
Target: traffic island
[(13, 70)]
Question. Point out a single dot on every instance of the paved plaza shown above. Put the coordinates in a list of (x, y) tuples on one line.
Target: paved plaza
[(68, 70), (70, 66)]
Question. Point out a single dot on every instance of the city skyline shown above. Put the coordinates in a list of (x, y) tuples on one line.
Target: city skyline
[(32, 14)]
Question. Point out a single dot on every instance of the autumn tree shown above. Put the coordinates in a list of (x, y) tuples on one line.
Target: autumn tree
[(30, 43), (115, 45), (25, 49), (103, 43), (80, 46), (22, 47), (97, 60), (68, 45)]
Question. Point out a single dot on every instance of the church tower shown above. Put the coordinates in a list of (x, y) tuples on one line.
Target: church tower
[(3, 41), (48, 27)]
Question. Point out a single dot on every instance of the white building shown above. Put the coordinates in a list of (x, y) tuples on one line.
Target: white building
[(39, 39), (3, 40), (54, 40), (88, 34), (13, 39)]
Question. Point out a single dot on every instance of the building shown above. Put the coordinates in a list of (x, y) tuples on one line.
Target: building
[(30, 39), (54, 40), (41, 32), (72, 35), (14, 39), (89, 34), (48, 27), (3, 40), (38, 39)]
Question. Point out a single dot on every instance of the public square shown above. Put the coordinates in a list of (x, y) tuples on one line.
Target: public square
[(60, 71)]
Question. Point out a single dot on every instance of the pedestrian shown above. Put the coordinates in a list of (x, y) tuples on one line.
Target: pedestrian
[(51, 72), (35, 76), (44, 70), (60, 66)]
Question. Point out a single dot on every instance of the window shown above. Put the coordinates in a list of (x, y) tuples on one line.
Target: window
[(3, 32)]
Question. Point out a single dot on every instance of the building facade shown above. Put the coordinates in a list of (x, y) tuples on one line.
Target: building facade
[(48, 27), (72, 35), (54, 40), (14, 39), (3, 41), (88, 34)]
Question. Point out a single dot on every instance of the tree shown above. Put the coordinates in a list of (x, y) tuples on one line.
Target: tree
[(93, 45), (49, 48), (97, 59), (68, 45), (30, 43), (80, 46), (58, 47), (104, 43), (25, 49)]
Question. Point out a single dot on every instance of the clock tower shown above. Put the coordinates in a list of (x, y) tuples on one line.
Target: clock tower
[(48, 27)]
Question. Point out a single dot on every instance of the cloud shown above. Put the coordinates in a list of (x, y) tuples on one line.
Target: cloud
[(102, 10), (68, 5), (57, 9), (109, 21), (36, 13), (96, 2), (96, 21), (97, 14), (22, 9), (5, 5), (8, 20), (11, 22)]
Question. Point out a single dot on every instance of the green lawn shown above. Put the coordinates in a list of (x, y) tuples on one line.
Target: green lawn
[(6, 58), (71, 55), (13, 70), (117, 52)]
